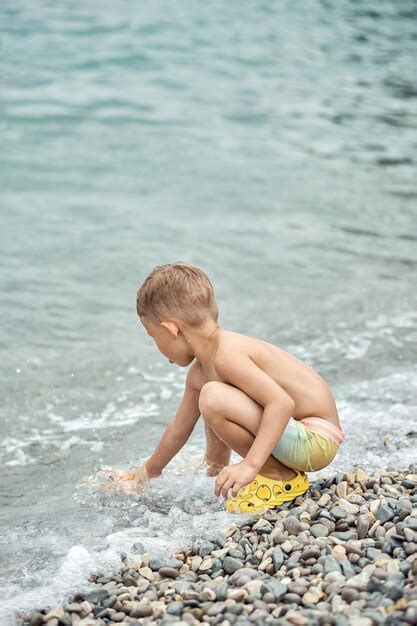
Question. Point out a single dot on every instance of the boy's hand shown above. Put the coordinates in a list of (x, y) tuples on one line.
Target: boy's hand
[(234, 477), (133, 480), (141, 476)]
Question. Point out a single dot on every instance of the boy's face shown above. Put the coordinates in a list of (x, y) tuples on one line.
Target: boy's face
[(170, 341)]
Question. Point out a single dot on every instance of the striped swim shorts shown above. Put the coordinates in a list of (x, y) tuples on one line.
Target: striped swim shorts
[(309, 444)]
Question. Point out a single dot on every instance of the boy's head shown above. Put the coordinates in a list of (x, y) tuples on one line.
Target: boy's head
[(173, 298)]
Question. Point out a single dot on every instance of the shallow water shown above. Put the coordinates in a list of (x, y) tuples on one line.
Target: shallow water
[(270, 145)]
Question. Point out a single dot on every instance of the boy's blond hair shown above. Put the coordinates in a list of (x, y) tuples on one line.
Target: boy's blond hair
[(177, 290)]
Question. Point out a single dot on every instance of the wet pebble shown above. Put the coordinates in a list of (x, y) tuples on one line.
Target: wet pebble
[(141, 610), (292, 525), (331, 564), (168, 572), (338, 512), (384, 514), (319, 530), (231, 564), (277, 558)]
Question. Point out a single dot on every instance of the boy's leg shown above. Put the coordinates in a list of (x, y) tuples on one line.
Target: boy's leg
[(217, 451), (235, 418)]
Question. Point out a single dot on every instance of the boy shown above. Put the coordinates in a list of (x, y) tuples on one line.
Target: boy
[(272, 409)]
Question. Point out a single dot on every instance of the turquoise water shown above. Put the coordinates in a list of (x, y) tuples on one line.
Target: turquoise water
[(273, 145)]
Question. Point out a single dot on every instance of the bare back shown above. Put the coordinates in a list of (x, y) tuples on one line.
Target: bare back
[(309, 391)]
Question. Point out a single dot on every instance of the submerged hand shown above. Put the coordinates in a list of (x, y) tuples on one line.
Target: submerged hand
[(133, 480), (234, 477), (125, 480), (121, 475), (141, 476)]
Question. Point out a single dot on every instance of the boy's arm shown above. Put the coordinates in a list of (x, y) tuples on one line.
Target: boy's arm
[(178, 431), (237, 368)]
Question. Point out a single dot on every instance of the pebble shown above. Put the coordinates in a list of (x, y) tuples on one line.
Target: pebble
[(292, 525), (287, 546), (206, 548), (319, 530), (362, 526), (206, 565), (343, 555), (292, 598), (56, 613), (196, 562), (338, 512), (310, 553), (155, 564), (349, 506), (359, 581), (175, 608), (341, 488), (312, 596), (349, 594), (345, 536), (296, 618), (168, 572), (277, 558), (96, 596), (277, 588), (147, 573), (384, 514), (324, 499), (231, 564), (339, 552), (141, 610), (331, 564)]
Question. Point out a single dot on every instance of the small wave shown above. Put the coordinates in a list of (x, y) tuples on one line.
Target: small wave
[(174, 510), (354, 345), (33, 448)]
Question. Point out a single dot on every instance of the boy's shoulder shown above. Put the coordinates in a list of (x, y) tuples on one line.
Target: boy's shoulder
[(237, 341), (230, 342)]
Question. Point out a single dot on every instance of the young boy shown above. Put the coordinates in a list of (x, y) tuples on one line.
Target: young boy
[(262, 402)]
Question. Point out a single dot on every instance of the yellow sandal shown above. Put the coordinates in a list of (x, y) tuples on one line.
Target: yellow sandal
[(266, 493)]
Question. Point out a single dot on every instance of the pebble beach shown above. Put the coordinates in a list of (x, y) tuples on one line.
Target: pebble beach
[(345, 552)]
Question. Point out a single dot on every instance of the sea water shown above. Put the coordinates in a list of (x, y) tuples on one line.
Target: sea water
[(273, 144)]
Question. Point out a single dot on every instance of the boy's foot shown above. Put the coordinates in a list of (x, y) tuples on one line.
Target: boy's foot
[(289, 475), (266, 493)]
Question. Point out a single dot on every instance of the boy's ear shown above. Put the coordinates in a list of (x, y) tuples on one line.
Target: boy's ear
[(171, 327)]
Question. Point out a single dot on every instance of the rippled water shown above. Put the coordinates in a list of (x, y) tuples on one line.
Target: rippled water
[(272, 144)]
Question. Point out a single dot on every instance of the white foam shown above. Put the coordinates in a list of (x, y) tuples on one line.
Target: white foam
[(15, 451), (354, 345), (111, 417), (175, 510)]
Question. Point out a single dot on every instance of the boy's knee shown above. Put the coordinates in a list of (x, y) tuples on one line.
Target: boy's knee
[(209, 400)]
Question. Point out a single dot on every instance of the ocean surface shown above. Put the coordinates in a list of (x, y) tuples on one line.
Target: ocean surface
[(273, 144)]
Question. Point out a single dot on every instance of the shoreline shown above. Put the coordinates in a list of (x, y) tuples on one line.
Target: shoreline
[(343, 553)]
